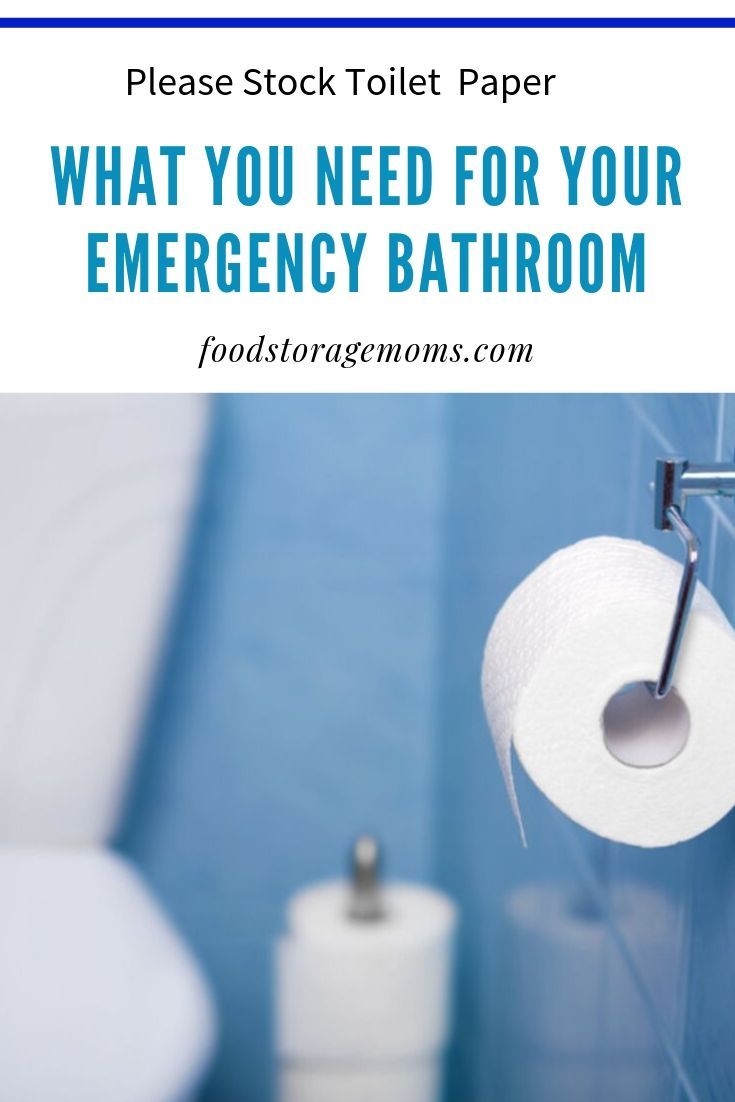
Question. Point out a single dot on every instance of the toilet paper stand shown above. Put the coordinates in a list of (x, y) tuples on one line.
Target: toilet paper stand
[(676, 480)]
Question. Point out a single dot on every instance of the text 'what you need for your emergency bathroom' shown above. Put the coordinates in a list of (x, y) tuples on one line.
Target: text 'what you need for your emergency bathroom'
[(488, 258)]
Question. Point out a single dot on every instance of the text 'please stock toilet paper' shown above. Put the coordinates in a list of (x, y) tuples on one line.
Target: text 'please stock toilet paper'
[(590, 621)]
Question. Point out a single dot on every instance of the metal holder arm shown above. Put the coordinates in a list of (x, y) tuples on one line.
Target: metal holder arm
[(676, 480)]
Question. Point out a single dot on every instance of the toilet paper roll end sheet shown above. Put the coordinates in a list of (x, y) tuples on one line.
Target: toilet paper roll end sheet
[(592, 619)]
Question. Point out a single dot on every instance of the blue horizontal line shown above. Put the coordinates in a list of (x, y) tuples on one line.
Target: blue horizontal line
[(363, 22)]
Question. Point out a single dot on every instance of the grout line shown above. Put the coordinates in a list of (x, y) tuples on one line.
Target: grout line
[(635, 467), (633, 403), (725, 520)]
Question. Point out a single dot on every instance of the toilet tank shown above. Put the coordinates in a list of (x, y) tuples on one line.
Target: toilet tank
[(96, 494)]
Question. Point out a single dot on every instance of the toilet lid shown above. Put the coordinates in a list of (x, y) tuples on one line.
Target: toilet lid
[(99, 998)]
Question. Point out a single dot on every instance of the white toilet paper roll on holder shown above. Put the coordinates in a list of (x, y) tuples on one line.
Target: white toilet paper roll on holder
[(676, 480)]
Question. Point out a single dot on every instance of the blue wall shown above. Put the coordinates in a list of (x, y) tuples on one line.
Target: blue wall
[(322, 679), (297, 704), (527, 475)]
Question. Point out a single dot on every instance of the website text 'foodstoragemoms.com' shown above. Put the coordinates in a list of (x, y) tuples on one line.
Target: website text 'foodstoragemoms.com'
[(347, 354)]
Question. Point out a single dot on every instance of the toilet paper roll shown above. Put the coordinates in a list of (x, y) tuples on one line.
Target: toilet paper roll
[(361, 992), (407, 1082), (591, 620), (570, 991), (415, 917), (577, 1026)]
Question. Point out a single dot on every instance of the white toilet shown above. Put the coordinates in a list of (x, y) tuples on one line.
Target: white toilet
[(100, 1001)]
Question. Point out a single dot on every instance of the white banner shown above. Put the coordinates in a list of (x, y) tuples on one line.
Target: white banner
[(465, 209)]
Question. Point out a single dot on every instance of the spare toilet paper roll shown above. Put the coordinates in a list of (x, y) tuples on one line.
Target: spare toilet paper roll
[(363, 992), (405, 1082), (591, 620), (577, 1026), (569, 990)]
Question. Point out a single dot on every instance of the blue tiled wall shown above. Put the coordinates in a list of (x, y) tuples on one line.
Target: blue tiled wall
[(322, 678), (527, 475), (298, 699)]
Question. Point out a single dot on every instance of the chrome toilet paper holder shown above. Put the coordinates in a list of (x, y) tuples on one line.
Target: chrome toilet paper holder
[(676, 480)]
